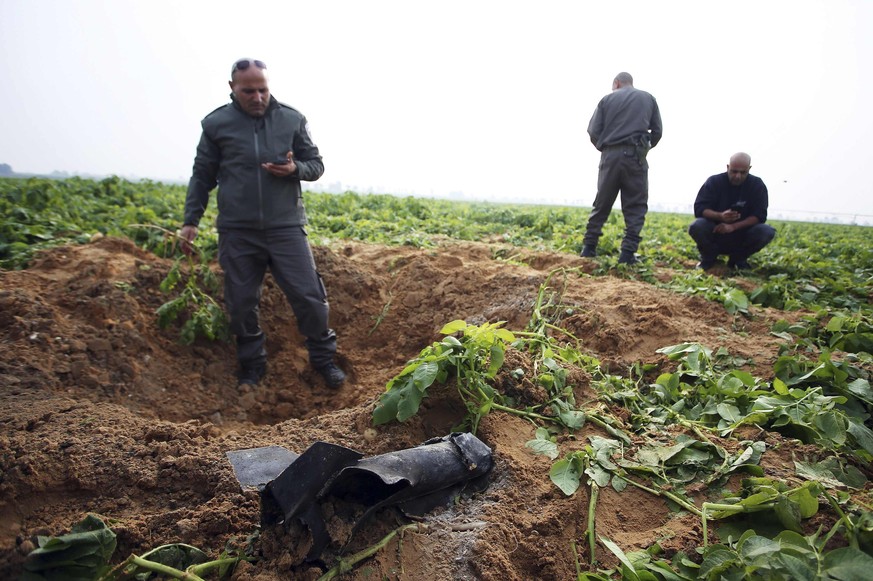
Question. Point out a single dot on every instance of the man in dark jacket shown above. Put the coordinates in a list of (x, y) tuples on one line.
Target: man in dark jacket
[(731, 211), (625, 125), (257, 150)]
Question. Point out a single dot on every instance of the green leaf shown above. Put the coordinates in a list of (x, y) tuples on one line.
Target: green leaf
[(566, 474), (780, 387), (618, 483), (386, 410), (862, 434), (797, 569), (759, 498), (497, 355), (599, 475), (572, 419), (173, 277), (80, 555), (750, 456), (806, 502), (717, 560), (169, 311), (505, 335), (788, 513), (616, 550), (453, 327), (747, 378), (835, 324), (729, 412), (691, 457), (410, 401), (603, 449), (425, 374), (757, 547), (663, 572), (736, 301), (452, 342), (847, 564), (860, 388), (832, 473), (832, 426), (543, 444)]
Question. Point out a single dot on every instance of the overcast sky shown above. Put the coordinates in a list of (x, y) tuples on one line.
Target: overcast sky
[(491, 99)]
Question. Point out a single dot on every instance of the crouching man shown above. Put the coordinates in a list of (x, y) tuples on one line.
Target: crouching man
[(730, 212)]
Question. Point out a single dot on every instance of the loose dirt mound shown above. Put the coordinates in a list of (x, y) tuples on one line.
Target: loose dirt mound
[(103, 412)]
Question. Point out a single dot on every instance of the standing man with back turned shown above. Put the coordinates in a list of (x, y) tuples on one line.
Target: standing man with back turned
[(625, 125), (257, 150)]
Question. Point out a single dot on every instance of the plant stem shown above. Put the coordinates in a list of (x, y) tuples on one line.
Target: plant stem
[(609, 427), (141, 563), (522, 413), (345, 565), (678, 500), (576, 559), (850, 526), (206, 567), (592, 505)]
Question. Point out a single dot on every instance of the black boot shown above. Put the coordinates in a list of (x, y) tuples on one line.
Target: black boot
[(627, 257), (589, 251)]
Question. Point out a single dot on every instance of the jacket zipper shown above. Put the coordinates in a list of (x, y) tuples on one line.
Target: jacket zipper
[(260, 184)]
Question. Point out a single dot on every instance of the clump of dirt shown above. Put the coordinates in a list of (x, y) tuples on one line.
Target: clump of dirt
[(103, 412)]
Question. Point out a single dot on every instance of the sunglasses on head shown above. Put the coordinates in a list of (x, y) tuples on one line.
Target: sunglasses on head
[(243, 64)]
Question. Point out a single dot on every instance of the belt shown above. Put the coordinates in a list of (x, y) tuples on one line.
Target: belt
[(619, 146)]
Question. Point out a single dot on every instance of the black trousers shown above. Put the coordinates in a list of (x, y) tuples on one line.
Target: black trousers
[(620, 170), (739, 245), (245, 255)]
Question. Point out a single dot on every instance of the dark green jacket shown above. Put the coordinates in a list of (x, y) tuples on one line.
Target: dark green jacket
[(232, 148)]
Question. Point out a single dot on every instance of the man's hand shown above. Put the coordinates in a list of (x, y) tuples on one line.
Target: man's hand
[(729, 216), (282, 170), (188, 233)]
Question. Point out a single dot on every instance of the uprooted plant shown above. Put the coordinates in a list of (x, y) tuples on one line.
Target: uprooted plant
[(473, 360), (85, 552), (203, 316), (753, 557), (195, 284)]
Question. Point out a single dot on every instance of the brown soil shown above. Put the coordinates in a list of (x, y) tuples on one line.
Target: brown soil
[(103, 412)]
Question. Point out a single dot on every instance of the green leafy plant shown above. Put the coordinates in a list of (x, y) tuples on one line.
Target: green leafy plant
[(84, 555), (701, 396), (734, 299), (473, 360), (751, 557), (203, 316), (470, 360)]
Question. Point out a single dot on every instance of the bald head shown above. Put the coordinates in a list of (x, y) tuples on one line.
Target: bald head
[(622, 80), (738, 168), (741, 157)]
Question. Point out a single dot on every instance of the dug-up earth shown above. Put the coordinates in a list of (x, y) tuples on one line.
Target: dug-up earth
[(103, 412)]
